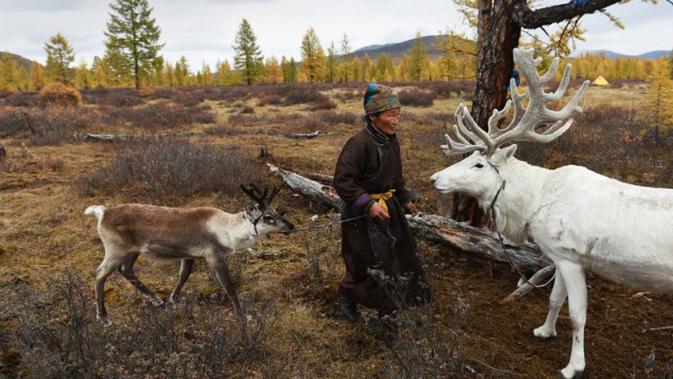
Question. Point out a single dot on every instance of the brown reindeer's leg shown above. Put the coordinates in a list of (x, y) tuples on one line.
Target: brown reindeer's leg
[(126, 269), (186, 266), (218, 264), (107, 267)]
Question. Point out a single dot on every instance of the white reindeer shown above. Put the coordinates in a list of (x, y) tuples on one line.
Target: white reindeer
[(579, 219), (130, 230)]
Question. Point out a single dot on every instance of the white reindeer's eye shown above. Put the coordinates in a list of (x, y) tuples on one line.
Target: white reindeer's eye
[(479, 165), (269, 219)]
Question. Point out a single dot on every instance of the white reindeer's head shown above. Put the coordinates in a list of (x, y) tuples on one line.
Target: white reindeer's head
[(478, 175)]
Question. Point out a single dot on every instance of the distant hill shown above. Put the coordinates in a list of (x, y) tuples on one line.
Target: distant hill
[(23, 62), (396, 50), (613, 55)]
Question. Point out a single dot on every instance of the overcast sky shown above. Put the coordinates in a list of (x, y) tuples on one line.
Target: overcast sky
[(204, 30)]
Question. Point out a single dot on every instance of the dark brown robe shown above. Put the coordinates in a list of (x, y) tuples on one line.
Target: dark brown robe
[(370, 163)]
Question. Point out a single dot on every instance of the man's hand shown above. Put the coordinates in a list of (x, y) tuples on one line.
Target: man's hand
[(377, 212), (411, 208)]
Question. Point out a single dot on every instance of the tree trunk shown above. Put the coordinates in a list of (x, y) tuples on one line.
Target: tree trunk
[(498, 35)]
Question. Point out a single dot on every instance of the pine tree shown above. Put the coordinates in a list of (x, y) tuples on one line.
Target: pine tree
[(313, 56), (132, 39), (59, 57), (248, 59)]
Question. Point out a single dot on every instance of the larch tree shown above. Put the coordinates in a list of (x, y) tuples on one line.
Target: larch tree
[(347, 57), (12, 75), (313, 56), (83, 77), (248, 60), (331, 63), (418, 58), (289, 68), (274, 74), (60, 56), (659, 100), (36, 76), (132, 39)]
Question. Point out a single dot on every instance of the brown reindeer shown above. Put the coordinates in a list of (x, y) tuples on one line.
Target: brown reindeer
[(130, 230)]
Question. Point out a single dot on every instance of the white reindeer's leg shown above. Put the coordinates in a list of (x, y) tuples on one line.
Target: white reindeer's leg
[(186, 266), (556, 300), (573, 276), (107, 267), (126, 269)]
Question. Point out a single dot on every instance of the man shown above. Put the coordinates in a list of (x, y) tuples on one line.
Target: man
[(368, 177)]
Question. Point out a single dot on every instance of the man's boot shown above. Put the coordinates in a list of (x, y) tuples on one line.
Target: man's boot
[(349, 308)]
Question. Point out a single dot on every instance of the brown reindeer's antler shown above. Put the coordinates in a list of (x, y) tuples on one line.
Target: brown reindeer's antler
[(262, 198), (470, 137)]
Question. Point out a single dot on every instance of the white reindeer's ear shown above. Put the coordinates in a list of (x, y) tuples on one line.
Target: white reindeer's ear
[(504, 153)]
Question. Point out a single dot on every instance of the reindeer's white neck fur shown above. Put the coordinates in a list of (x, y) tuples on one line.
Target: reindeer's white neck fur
[(234, 230), (518, 201)]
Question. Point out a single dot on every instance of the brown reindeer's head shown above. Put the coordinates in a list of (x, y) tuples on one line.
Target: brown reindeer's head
[(265, 218)]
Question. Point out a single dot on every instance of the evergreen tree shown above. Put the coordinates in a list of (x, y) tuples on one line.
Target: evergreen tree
[(59, 57), (313, 56), (248, 59), (132, 39), (345, 68)]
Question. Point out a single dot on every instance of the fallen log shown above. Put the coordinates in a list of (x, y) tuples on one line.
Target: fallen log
[(442, 230), (320, 193), (105, 137), (310, 135)]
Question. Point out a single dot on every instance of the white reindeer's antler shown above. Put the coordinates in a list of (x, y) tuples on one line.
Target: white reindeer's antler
[(526, 120)]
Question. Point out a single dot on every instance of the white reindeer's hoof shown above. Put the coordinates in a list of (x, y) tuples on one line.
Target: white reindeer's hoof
[(544, 333), (571, 374)]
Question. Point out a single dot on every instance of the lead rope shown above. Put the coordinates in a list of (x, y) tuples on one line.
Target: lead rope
[(502, 242), (330, 224)]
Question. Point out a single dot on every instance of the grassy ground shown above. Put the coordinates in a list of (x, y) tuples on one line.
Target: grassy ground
[(49, 251)]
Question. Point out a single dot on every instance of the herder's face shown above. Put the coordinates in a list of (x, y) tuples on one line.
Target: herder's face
[(387, 121)]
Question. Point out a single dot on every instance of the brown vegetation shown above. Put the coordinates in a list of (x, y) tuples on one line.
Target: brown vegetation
[(288, 282), (59, 95)]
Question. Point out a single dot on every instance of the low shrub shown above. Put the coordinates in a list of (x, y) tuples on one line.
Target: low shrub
[(416, 98), (172, 169), (59, 95), (54, 334), (116, 97)]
